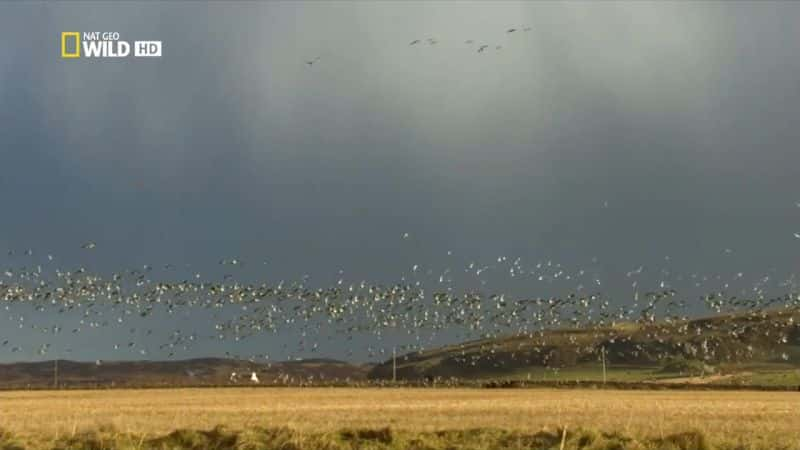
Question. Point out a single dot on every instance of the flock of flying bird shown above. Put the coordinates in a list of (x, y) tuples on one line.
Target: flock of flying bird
[(422, 310), (480, 47)]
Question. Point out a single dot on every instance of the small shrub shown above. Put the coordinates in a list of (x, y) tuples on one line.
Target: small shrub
[(214, 439), (382, 435), (690, 440), (7, 441)]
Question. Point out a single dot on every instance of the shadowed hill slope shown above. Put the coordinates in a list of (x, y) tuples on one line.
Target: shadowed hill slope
[(671, 348), (192, 372)]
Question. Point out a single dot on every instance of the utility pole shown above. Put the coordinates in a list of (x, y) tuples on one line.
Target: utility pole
[(55, 373), (603, 357), (394, 364)]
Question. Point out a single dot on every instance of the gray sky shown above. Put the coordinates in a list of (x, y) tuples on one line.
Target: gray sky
[(625, 132)]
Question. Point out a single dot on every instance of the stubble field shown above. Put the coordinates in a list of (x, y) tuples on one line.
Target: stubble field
[(399, 418)]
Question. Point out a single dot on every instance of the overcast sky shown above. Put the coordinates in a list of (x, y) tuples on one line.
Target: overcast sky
[(625, 132)]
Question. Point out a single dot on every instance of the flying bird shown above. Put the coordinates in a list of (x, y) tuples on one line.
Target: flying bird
[(311, 62), (414, 42), (89, 245), (482, 48), (511, 30)]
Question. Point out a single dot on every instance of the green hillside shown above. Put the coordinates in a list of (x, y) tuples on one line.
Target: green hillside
[(759, 348)]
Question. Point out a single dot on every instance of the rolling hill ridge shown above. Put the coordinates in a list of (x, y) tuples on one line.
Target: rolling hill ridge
[(191, 372), (724, 346)]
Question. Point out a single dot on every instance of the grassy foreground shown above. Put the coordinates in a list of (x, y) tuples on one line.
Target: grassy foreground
[(383, 438), (345, 418)]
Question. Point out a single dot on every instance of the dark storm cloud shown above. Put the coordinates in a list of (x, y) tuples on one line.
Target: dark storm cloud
[(681, 116)]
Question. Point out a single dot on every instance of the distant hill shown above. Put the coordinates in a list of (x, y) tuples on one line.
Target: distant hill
[(760, 348), (192, 372), (732, 348)]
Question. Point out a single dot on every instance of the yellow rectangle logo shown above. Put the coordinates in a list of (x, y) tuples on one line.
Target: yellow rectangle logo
[(64, 52)]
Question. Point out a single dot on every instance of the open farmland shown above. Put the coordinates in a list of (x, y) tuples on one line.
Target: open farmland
[(741, 419)]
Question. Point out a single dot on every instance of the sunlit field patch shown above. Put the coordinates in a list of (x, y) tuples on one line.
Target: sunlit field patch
[(410, 418)]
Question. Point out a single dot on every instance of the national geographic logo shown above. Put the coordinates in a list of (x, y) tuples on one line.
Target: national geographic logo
[(106, 44), (74, 38)]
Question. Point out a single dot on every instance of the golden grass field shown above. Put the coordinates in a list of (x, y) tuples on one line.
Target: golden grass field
[(737, 419)]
